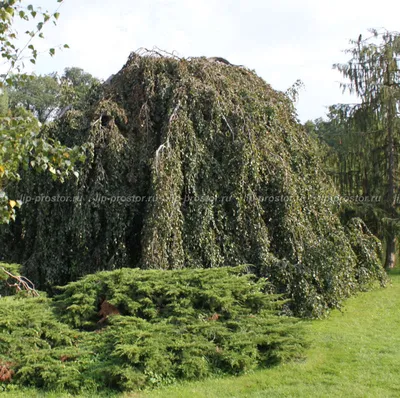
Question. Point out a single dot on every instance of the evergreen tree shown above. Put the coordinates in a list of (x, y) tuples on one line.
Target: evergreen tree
[(374, 76)]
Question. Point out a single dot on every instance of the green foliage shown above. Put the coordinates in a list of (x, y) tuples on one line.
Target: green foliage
[(354, 353), (10, 39), (322, 289), (39, 94), (44, 95), (196, 164), (368, 250), (3, 103), (13, 268), (78, 88), (22, 146), (33, 341), (152, 294), (374, 125), (185, 324)]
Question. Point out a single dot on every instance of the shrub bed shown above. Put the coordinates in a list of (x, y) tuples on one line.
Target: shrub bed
[(129, 329)]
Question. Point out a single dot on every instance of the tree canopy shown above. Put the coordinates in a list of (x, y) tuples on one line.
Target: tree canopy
[(39, 94), (76, 87), (45, 96), (195, 164)]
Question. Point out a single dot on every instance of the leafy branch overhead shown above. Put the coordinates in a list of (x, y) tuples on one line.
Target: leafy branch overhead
[(23, 145), (10, 37)]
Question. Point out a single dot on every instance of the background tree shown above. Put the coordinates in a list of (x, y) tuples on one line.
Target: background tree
[(44, 95), (354, 163), (77, 86), (40, 94), (369, 162)]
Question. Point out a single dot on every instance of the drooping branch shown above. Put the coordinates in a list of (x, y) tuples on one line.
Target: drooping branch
[(22, 283)]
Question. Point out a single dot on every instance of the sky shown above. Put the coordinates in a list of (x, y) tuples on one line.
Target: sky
[(282, 40)]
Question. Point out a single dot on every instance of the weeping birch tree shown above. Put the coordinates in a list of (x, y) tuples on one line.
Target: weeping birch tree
[(373, 74)]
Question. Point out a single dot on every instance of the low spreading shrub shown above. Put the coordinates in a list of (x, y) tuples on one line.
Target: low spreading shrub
[(130, 329)]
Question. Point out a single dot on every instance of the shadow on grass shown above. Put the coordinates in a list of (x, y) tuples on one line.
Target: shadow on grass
[(394, 271)]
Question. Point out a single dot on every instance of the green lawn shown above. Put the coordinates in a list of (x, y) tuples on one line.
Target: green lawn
[(353, 353)]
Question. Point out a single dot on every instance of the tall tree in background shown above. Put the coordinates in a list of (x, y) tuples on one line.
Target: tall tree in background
[(374, 76), (347, 155), (76, 87), (40, 94), (44, 95)]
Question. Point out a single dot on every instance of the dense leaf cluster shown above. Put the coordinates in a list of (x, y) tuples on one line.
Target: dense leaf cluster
[(22, 146)]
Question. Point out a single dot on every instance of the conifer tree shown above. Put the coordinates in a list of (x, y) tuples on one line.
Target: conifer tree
[(374, 76)]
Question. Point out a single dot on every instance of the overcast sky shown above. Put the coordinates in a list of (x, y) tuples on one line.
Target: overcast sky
[(282, 40)]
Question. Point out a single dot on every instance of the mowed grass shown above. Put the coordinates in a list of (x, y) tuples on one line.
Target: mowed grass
[(353, 353)]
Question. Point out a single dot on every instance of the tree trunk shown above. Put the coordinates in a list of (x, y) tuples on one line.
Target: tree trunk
[(391, 235), (391, 200), (390, 261)]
